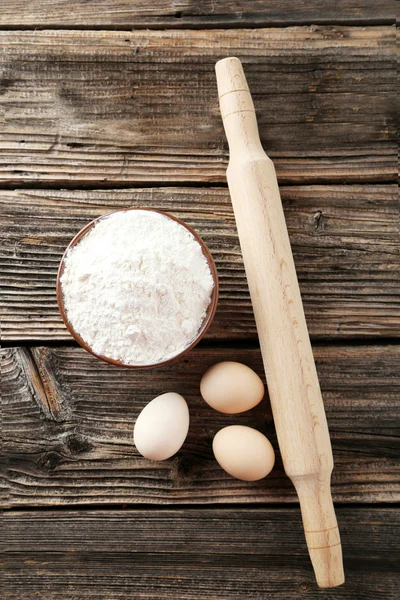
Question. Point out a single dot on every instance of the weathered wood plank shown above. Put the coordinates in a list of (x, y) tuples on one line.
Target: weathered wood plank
[(192, 555), (119, 107), (68, 422), (345, 242), (194, 13)]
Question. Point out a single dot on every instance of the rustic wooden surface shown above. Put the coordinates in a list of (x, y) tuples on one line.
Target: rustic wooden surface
[(107, 108), (226, 554), (68, 420), (97, 112), (345, 242), (194, 13)]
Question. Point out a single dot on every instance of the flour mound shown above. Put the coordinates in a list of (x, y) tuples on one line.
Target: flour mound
[(137, 287)]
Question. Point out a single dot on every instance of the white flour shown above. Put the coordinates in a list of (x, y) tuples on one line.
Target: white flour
[(136, 288)]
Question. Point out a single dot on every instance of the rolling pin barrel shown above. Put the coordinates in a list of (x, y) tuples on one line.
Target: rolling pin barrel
[(291, 375)]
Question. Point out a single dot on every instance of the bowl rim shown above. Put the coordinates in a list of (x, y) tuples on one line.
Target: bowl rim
[(212, 307)]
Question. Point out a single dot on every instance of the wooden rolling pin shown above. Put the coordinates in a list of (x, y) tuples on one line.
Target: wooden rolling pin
[(292, 378)]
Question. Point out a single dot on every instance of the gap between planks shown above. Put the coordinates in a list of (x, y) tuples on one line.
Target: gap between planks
[(101, 186), (234, 344), (228, 507), (203, 26)]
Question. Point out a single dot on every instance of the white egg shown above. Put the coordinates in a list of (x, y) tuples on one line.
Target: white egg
[(243, 452), (162, 427)]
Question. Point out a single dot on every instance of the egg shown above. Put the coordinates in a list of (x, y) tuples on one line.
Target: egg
[(243, 452), (162, 427), (231, 387)]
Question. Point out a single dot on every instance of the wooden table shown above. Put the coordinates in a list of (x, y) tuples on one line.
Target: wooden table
[(110, 104)]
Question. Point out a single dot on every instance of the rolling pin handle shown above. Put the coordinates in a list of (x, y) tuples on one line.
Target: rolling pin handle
[(237, 110), (321, 529)]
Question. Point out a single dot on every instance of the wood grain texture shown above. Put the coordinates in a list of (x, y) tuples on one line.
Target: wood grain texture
[(193, 13), (68, 423), (227, 554), (345, 243), (107, 108)]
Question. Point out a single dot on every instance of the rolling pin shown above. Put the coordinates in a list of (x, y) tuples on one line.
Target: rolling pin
[(292, 379)]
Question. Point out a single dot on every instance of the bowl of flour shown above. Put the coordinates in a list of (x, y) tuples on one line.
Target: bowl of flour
[(137, 288)]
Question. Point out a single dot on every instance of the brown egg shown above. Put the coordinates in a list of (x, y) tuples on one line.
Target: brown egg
[(243, 452), (231, 387)]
